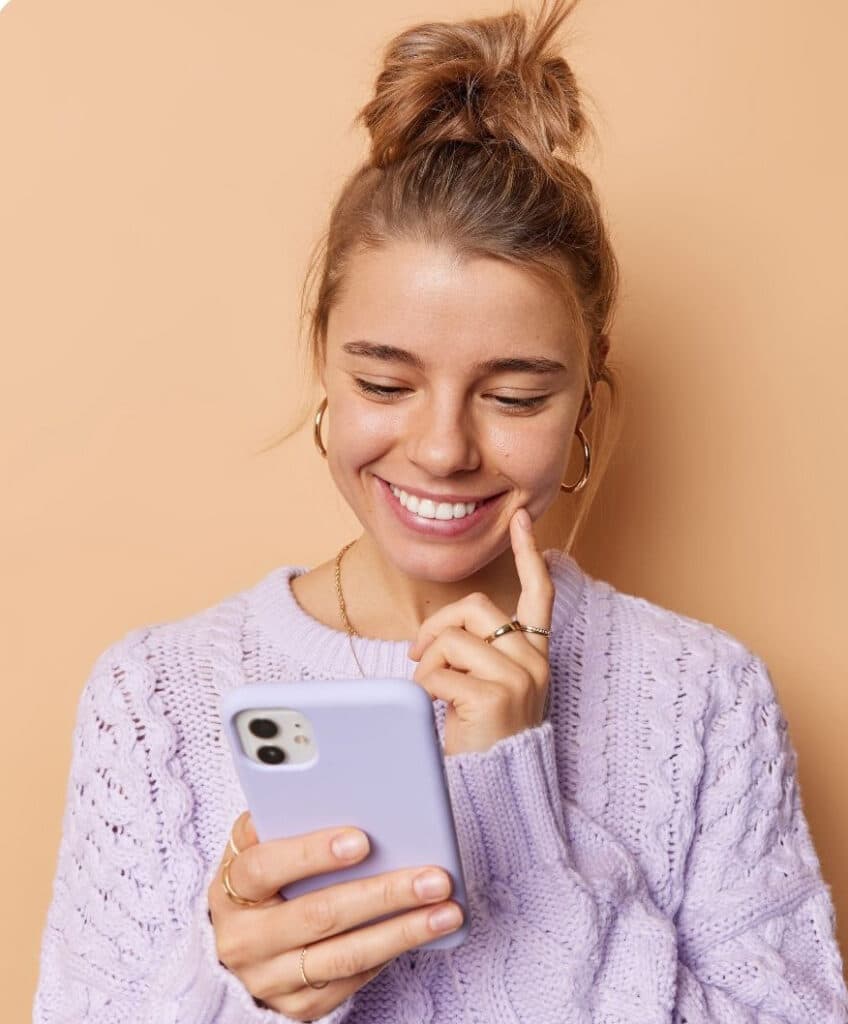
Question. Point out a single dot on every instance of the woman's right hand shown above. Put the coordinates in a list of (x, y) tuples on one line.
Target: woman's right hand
[(261, 944)]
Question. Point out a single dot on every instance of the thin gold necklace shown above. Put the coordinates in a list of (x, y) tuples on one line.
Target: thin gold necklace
[(351, 632)]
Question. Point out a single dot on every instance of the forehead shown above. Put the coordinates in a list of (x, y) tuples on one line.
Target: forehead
[(425, 298)]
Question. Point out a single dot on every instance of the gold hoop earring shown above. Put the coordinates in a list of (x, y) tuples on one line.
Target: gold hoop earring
[(587, 467), (319, 415)]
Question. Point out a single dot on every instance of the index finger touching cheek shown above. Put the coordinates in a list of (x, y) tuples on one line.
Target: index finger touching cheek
[(536, 602)]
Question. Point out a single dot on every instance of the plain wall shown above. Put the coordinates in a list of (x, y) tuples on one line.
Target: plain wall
[(166, 169)]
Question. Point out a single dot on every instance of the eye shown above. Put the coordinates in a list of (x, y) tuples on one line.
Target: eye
[(375, 389), (521, 403), (381, 390)]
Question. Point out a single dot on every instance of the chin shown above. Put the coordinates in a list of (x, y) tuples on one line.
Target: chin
[(438, 563)]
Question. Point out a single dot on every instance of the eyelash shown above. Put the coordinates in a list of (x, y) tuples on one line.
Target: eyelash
[(509, 403)]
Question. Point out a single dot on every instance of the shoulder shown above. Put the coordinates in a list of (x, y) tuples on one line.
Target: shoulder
[(669, 647), (633, 621), (149, 663)]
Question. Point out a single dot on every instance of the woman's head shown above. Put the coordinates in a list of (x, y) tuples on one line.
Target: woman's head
[(484, 382), (469, 235)]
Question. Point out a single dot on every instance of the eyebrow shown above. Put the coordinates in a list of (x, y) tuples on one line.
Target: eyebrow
[(507, 364)]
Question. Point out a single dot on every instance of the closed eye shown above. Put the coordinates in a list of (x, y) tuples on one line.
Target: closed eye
[(388, 393)]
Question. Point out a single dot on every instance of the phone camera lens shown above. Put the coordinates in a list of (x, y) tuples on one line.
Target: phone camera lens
[(264, 728), (271, 755)]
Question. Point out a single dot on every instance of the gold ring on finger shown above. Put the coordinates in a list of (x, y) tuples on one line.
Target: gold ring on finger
[(306, 981), (241, 901), (531, 629), (507, 627)]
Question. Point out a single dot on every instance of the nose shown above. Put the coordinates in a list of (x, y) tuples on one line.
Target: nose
[(442, 439)]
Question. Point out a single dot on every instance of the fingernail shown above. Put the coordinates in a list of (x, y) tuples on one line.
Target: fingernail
[(523, 517), (445, 919), (430, 885), (348, 845)]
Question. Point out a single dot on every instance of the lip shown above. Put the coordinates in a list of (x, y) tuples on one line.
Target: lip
[(441, 527), (452, 498)]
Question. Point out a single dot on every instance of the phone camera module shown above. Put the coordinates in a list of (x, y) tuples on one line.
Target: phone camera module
[(264, 728), (271, 755)]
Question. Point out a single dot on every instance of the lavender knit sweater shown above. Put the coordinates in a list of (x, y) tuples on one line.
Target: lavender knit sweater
[(642, 857)]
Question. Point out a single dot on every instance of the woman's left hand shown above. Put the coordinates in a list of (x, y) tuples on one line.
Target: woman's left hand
[(497, 689)]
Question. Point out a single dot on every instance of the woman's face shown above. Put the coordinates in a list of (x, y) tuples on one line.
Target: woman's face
[(438, 332)]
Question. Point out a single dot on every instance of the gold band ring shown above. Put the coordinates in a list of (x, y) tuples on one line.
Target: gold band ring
[(241, 901), (534, 629), (507, 627), (306, 980), (514, 624)]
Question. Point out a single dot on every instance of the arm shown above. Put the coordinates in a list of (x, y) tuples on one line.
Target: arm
[(578, 935), (127, 936)]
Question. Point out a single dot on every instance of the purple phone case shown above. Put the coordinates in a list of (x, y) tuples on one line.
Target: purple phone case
[(379, 768)]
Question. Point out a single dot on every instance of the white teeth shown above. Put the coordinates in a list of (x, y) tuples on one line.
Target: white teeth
[(428, 509)]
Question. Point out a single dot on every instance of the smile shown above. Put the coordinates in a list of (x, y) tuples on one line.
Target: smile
[(428, 509), (437, 518)]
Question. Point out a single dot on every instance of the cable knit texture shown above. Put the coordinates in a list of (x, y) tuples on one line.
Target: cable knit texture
[(641, 857)]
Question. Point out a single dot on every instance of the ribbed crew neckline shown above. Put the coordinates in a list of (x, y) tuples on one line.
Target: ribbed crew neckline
[(326, 652)]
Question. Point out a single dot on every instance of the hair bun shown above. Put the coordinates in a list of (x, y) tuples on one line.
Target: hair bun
[(484, 80)]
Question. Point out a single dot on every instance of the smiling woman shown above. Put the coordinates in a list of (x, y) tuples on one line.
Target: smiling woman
[(474, 404), (429, 293), (621, 776)]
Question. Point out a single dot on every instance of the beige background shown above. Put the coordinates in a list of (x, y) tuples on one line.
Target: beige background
[(166, 168)]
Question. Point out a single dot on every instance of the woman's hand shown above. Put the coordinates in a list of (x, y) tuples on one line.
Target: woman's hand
[(261, 944), (498, 689)]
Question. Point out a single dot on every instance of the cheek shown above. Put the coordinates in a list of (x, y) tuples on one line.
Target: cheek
[(531, 457), (360, 432)]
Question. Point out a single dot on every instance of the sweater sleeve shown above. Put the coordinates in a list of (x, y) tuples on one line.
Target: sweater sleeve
[(127, 935), (578, 936)]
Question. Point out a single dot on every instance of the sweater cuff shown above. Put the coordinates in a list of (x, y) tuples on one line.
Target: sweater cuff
[(507, 806)]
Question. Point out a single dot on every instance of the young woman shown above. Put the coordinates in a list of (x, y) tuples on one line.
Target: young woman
[(622, 776)]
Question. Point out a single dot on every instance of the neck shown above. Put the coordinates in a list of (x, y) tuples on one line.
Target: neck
[(382, 601)]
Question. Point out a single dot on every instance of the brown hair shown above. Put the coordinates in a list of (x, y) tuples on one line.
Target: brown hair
[(474, 129)]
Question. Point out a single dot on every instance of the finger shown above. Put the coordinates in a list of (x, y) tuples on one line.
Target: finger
[(321, 914), (536, 601), (243, 835), (466, 693), (458, 649), (478, 615), (261, 870), (352, 953), (311, 1004)]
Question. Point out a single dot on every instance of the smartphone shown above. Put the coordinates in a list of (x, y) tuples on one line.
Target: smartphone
[(362, 752)]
